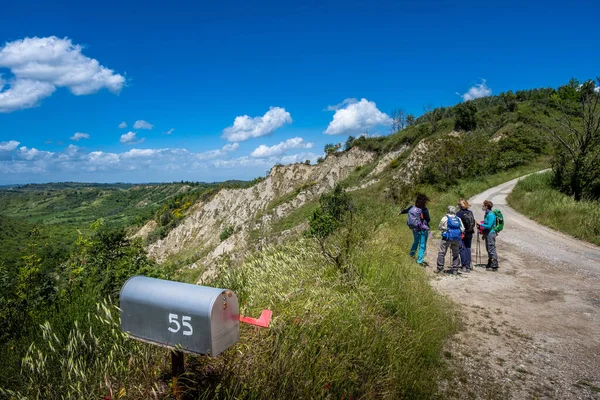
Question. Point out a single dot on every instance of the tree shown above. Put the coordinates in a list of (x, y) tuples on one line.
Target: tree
[(432, 116), (349, 143), (576, 133), (398, 116), (465, 117), (410, 120), (332, 148), (331, 225)]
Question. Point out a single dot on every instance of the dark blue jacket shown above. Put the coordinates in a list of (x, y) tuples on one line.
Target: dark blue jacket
[(460, 215)]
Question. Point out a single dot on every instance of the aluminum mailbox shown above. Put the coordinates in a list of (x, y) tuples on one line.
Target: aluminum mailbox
[(201, 319)]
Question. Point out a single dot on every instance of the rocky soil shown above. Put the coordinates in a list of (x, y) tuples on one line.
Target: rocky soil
[(242, 209)]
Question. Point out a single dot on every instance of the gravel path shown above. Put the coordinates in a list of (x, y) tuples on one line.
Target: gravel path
[(532, 330)]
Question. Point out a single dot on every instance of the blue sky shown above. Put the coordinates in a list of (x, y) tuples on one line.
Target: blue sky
[(189, 69)]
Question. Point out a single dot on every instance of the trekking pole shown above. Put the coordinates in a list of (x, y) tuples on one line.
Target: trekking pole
[(478, 255)]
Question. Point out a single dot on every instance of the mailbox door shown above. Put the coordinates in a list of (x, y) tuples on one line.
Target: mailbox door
[(225, 322)]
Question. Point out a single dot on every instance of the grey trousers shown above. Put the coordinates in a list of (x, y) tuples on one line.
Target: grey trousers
[(455, 247), (490, 245)]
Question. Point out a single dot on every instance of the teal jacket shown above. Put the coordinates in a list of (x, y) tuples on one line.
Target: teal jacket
[(489, 223)]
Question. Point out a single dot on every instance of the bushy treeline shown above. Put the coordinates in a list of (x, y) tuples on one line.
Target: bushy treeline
[(59, 290)]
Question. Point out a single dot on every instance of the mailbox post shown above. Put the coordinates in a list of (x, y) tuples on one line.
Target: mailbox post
[(180, 316)]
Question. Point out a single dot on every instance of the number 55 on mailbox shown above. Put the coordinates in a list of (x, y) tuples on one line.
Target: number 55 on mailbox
[(201, 319)]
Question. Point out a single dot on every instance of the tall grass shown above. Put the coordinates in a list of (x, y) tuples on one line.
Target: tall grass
[(92, 360), (374, 333), (535, 197)]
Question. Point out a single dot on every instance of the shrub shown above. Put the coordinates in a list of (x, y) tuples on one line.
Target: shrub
[(226, 233), (334, 213)]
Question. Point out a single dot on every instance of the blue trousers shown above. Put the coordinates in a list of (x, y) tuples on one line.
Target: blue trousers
[(420, 242), (465, 250)]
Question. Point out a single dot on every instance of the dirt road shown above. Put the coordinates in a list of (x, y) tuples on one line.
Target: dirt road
[(532, 328)]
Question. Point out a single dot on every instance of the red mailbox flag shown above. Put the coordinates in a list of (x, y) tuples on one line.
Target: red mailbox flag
[(263, 321)]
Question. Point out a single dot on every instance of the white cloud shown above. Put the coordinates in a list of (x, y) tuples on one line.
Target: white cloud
[(212, 154), (141, 124), (356, 118), (279, 149), (32, 153), (40, 65), (123, 125), (79, 135), (170, 131), (231, 147), (477, 91), (9, 146), (342, 104), (130, 138), (23, 163), (24, 93), (245, 127), (140, 153)]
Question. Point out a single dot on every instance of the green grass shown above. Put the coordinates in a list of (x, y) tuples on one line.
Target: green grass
[(378, 333), (535, 197)]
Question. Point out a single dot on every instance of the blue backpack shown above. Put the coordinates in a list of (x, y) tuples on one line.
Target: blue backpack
[(453, 233)]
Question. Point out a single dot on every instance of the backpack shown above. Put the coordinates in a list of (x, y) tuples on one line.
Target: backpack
[(468, 220), (415, 219), (499, 221), (453, 232)]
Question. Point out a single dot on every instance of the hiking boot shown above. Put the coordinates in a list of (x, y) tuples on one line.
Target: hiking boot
[(465, 269), (493, 269), (439, 270), (424, 264), (452, 271)]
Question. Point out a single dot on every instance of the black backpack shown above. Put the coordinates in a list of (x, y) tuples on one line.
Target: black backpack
[(468, 220)]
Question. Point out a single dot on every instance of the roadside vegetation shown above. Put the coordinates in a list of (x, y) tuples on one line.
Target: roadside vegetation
[(536, 197)]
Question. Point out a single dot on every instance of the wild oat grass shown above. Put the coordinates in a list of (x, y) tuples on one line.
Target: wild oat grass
[(375, 332), (535, 197), (95, 359)]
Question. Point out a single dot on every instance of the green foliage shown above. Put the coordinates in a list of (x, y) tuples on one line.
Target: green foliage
[(374, 337), (93, 359), (43, 286), (332, 225), (535, 197), (332, 148), (465, 119), (576, 131), (349, 143), (227, 232), (333, 210)]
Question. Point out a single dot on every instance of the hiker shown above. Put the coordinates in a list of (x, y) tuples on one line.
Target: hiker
[(468, 220), (418, 221), (452, 230), (488, 226)]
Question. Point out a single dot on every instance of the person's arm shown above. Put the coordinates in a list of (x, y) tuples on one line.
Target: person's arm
[(489, 221), (406, 210), (462, 226), (443, 223), (426, 215)]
